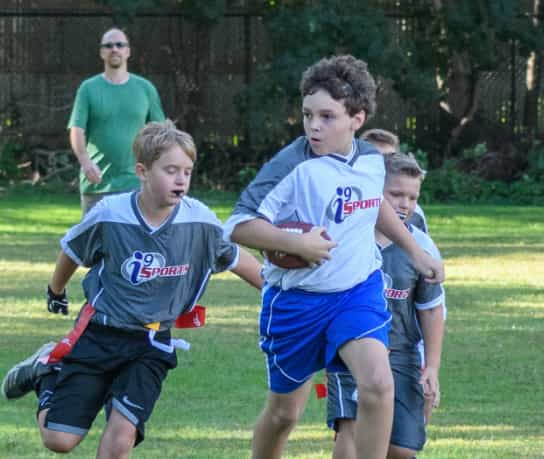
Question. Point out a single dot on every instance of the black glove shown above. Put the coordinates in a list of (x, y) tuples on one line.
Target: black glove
[(56, 303)]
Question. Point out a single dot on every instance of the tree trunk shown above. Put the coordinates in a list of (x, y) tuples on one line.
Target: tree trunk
[(533, 78)]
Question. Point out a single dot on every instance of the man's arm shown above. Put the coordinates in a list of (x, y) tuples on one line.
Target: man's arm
[(249, 269), (79, 147), (432, 326), (262, 235), (392, 227)]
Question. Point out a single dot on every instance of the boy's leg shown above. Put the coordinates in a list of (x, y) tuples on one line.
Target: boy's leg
[(23, 377), (276, 421), (59, 442), (342, 396), (133, 393), (34, 373), (408, 433), (118, 437), (344, 445), (293, 328), (368, 362)]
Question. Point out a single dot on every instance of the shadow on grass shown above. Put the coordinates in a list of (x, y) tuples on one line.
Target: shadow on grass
[(491, 377)]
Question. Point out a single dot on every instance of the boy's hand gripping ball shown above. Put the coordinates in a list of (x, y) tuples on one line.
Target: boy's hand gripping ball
[(286, 260)]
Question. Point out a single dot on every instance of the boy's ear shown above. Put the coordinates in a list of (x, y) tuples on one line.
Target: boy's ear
[(358, 120), (141, 170)]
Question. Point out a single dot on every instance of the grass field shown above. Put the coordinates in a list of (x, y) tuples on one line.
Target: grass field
[(493, 365)]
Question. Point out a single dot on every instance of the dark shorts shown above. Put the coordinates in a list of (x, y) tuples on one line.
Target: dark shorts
[(301, 332), (408, 421), (112, 368)]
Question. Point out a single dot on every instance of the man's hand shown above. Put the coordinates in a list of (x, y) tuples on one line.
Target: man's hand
[(91, 171), (57, 302)]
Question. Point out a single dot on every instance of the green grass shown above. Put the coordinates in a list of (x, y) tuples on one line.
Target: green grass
[(493, 364)]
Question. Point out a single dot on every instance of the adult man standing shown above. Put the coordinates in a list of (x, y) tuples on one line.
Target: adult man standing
[(109, 109)]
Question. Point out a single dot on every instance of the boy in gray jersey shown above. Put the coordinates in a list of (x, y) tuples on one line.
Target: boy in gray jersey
[(417, 309), (388, 143), (150, 255)]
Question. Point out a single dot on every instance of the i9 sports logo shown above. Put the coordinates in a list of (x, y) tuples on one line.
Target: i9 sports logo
[(390, 292), (145, 266), (347, 201)]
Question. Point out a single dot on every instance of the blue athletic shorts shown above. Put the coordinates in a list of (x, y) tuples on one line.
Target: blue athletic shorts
[(301, 331)]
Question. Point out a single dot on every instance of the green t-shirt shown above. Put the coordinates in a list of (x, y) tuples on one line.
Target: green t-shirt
[(111, 115)]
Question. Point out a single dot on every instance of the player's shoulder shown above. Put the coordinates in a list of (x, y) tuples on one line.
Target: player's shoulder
[(424, 241), (193, 210), (364, 148), (293, 154), (367, 158), (284, 162), (115, 208)]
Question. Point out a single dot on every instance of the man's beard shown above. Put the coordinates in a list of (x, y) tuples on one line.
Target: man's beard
[(115, 64)]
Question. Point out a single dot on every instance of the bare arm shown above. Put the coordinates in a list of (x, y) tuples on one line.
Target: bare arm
[(392, 227), (432, 326), (249, 269), (64, 269), (79, 147), (262, 235)]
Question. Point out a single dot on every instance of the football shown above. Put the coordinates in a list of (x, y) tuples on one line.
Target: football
[(286, 260)]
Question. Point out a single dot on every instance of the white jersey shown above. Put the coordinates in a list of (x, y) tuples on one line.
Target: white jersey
[(342, 194)]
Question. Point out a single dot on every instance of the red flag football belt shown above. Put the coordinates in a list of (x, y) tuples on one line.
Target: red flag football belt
[(194, 318)]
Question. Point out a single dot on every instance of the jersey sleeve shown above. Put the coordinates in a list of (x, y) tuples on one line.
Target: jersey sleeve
[(225, 254), (83, 242), (271, 190), (155, 108), (220, 254), (80, 110), (418, 220), (427, 295)]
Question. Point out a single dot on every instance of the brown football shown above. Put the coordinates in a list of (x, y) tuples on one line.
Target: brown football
[(286, 260)]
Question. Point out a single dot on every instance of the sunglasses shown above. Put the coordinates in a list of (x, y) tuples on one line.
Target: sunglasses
[(117, 44)]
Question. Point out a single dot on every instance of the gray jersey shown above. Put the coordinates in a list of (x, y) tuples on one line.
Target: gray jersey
[(406, 292), (139, 274), (418, 219)]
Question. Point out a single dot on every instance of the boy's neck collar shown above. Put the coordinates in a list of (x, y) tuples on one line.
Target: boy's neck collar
[(154, 218)]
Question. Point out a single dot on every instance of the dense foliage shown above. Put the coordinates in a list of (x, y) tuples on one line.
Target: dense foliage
[(433, 53)]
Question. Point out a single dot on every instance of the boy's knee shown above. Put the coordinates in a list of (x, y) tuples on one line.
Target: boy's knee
[(396, 452), (379, 386), (59, 442), (121, 445), (284, 417)]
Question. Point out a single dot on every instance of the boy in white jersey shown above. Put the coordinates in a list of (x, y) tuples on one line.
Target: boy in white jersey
[(417, 308), (332, 312), (151, 253)]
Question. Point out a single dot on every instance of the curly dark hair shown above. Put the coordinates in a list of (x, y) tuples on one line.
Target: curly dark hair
[(344, 78)]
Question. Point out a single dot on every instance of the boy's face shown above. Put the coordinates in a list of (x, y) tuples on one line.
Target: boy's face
[(327, 125), (168, 179), (402, 192)]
